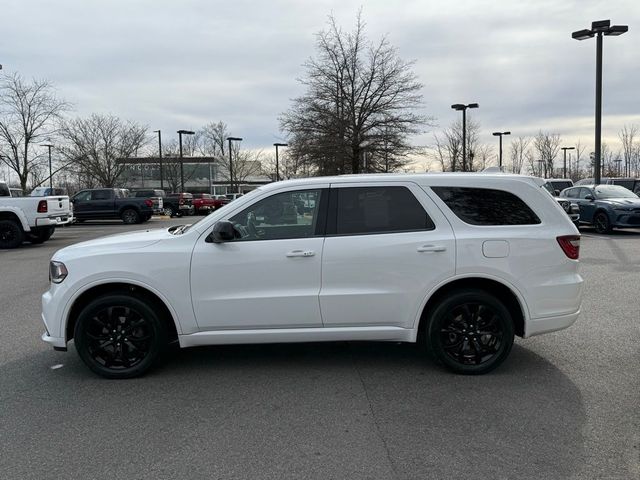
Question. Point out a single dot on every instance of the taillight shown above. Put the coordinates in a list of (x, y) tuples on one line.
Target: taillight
[(570, 245), (148, 202), (42, 206)]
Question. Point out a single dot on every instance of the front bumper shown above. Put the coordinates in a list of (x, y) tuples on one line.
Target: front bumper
[(624, 219), (56, 342)]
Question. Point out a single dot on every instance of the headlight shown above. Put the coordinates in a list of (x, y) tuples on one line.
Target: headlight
[(57, 272)]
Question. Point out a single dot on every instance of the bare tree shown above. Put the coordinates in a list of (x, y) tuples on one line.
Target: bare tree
[(28, 114), (547, 146), (517, 150), (360, 96), (575, 169), (448, 146), (94, 145), (628, 136)]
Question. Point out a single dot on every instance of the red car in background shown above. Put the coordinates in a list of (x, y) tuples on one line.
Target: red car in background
[(205, 203)]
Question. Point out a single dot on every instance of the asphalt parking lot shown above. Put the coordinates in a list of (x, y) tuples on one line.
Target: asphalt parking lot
[(564, 405)]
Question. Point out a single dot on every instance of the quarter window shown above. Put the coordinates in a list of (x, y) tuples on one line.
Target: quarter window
[(283, 215), (484, 206), (367, 210)]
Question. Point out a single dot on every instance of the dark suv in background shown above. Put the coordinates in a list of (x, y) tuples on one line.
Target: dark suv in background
[(178, 204)]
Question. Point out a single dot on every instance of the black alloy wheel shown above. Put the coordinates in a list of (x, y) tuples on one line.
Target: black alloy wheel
[(470, 332), (11, 234), (119, 336), (601, 223), (130, 216)]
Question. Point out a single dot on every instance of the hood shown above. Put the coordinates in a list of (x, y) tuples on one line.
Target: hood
[(119, 242)]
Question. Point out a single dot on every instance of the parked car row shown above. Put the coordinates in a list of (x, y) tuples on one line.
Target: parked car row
[(132, 211)]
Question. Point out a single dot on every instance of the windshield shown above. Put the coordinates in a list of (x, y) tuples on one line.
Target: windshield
[(613, 191)]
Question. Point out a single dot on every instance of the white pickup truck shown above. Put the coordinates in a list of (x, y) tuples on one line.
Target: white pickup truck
[(33, 219)]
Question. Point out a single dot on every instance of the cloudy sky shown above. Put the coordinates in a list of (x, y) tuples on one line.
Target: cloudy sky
[(182, 64)]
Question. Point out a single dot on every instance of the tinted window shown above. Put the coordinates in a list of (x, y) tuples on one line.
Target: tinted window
[(101, 195), (363, 210), (4, 190), (283, 215), (82, 196), (484, 206)]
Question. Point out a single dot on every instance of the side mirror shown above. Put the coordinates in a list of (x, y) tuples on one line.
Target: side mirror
[(589, 197), (223, 231)]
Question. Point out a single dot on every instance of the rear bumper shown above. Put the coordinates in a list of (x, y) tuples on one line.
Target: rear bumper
[(53, 220), (538, 326)]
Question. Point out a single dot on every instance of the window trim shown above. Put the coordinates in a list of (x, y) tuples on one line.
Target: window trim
[(332, 220)]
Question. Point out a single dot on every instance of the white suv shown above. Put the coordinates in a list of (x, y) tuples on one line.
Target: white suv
[(460, 262)]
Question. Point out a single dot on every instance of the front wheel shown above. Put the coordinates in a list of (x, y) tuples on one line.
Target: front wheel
[(601, 223), (119, 336), (470, 332), (169, 211)]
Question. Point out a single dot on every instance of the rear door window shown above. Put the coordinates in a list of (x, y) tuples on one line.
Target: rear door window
[(485, 206), (371, 210)]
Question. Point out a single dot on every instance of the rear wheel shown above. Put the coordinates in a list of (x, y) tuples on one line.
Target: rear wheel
[(601, 222), (40, 235), (11, 234), (470, 332), (130, 216), (169, 211), (119, 336)]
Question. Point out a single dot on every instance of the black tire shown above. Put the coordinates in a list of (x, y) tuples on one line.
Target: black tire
[(470, 332), (40, 235), (169, 211), (112, 329), (130, 216), (601, 222), (11, 234)]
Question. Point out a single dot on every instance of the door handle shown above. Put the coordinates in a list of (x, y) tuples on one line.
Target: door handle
[(301, 253), (431, 248)]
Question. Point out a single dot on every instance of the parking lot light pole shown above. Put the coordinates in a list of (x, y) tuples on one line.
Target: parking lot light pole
[(160, 157), (49, 146), (598, 29), (500, 134), (462, 107), (564, 167), (180, 133), (232, 139), (277, 162)]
